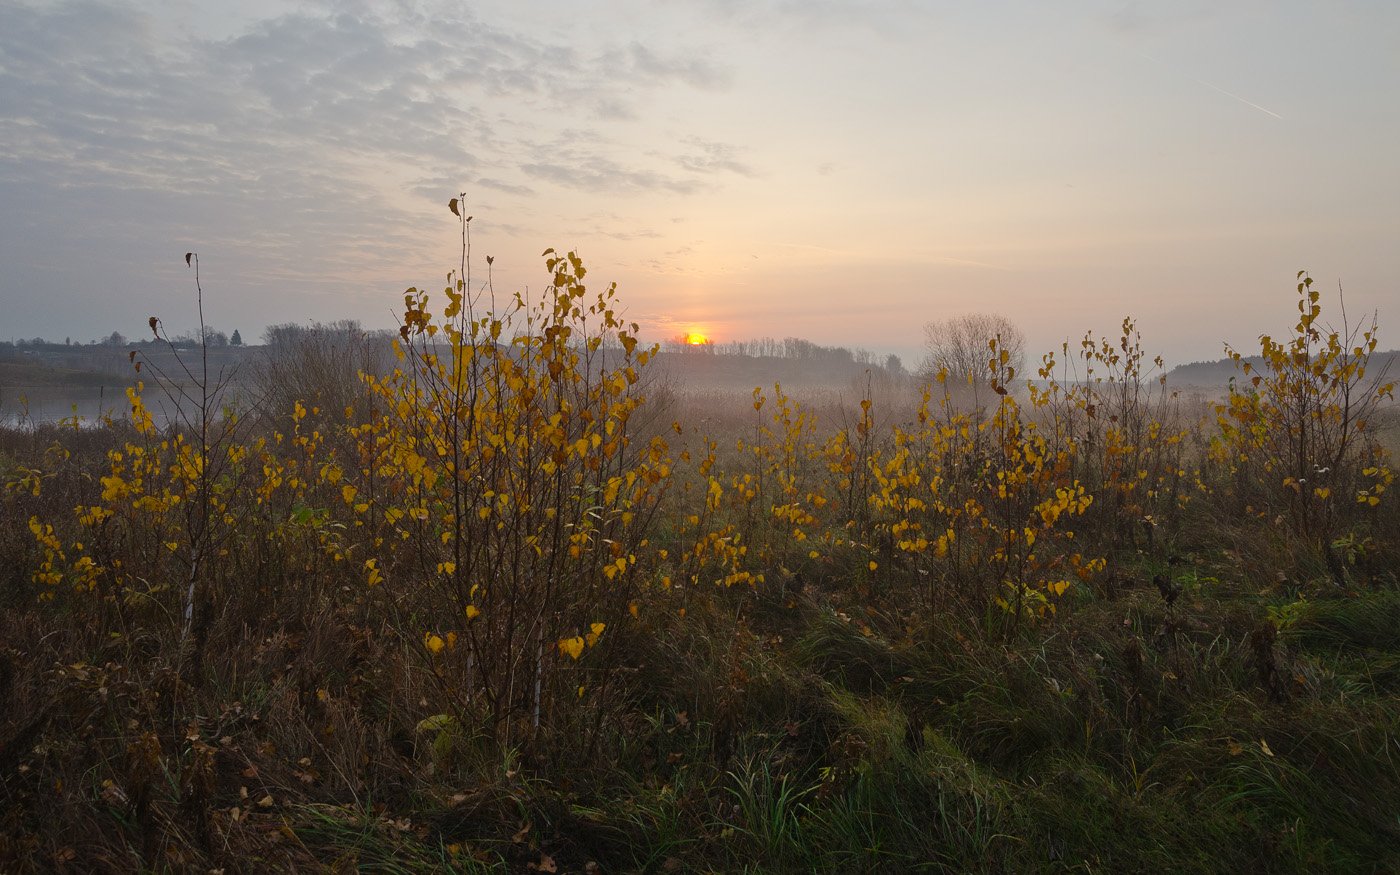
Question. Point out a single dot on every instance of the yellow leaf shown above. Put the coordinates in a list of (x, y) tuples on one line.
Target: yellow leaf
[(572, 646), (433, 643), (1264, 745), (348, 492), (473, 612)]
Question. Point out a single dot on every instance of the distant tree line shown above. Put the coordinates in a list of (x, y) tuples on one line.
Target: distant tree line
[(787, 348), (187, 340)]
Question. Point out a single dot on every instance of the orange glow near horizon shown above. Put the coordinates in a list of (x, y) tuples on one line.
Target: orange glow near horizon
[(696, 339)]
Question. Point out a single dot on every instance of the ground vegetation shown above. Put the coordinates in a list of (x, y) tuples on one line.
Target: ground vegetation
[(472, 610)]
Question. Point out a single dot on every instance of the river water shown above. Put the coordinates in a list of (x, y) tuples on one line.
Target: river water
[(90, 406)]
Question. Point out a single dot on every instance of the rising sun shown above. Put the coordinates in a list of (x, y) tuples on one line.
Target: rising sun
[(696, 339)]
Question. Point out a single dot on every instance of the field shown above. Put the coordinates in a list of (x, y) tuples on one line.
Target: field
[(524, 603)]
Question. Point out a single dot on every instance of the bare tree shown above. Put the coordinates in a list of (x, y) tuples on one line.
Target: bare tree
[(961, 347), (319, 365)]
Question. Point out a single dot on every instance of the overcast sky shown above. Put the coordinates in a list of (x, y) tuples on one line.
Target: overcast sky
[(839, 171)]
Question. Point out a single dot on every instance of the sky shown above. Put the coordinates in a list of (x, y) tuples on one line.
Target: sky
[(844, 172)]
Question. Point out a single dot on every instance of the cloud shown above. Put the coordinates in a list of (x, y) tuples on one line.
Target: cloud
[(614, 110), (713, 157), (693, 71), (1138, 19), (600, 174), (644, 234), (522, 190), (301, 144), (92, 95), (885, 19)]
